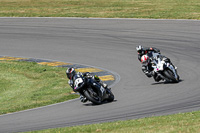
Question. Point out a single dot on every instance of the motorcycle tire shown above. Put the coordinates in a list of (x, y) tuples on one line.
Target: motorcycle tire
[(170, 75), (92, 99), (111, 96)]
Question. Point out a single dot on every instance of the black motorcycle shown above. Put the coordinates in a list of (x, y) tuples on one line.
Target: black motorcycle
[(92, 89)]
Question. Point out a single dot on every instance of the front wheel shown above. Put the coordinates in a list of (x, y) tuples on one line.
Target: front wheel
[(92, 98), (170, 75), (111, 96)]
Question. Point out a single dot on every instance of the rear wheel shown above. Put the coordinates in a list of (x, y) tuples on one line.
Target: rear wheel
[(94, 98)]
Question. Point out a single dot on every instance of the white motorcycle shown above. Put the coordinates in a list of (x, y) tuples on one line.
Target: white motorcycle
[(163, 67)]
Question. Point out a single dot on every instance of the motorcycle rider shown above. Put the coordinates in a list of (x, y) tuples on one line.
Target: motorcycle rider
[(146, 67), (71, 73)]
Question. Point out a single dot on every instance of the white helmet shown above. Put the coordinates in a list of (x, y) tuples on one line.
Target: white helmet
[(144, 59), (139, 49)]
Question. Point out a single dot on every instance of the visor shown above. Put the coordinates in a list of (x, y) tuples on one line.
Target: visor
[(69, 75)]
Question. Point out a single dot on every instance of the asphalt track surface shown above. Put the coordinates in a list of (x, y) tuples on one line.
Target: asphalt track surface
[(108, 44)]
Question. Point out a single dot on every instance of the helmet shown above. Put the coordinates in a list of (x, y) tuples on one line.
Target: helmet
[(144, 59), (70, 72), (139, 48)]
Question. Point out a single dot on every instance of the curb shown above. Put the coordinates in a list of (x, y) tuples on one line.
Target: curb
[(106, 76)]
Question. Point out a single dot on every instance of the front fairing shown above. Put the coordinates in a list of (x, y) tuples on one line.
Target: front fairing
[(171, 67), (156, 61), (98, 87), (78, 82), (158, 65)]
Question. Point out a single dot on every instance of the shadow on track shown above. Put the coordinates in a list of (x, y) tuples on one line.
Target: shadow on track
[(91, 104), (166, 82)]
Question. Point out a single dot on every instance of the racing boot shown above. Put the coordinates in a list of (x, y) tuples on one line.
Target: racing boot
[(156, 77), (83, 99), (147, 73)]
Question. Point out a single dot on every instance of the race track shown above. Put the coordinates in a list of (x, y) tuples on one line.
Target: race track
[(108, 44)]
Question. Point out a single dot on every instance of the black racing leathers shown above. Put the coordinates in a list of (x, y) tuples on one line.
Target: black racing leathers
[(86, 75), (146, 50), (146, 68)]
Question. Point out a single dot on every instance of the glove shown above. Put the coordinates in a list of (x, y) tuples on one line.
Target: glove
[(70, 82)]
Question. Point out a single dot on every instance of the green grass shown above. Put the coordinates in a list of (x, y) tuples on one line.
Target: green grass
[(158, 9), (26, 85), (178, 123)]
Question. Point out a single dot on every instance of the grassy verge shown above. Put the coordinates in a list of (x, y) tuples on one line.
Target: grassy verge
[(167, 9), (28, 85), (178, 123)]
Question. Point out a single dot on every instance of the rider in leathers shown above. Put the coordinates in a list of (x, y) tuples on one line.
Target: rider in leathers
[(147, 68), (71, 73)]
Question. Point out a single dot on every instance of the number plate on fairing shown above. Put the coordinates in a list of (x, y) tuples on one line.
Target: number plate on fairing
[(78, 81)]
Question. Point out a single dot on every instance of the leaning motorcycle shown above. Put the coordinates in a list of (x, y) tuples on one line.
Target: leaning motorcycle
[(163, 67), (92, 90)]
